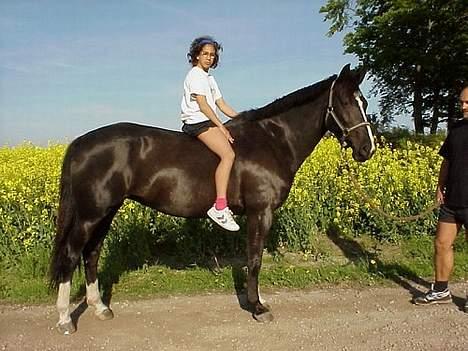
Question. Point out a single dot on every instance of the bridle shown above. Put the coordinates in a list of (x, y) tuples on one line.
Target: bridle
[(330, 111)]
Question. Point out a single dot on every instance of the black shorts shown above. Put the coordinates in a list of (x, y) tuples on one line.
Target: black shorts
[(458, 215), (195, 129)]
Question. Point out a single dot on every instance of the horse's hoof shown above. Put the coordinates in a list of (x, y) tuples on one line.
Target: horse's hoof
[(264, 317), (105, 315), (66, 328)]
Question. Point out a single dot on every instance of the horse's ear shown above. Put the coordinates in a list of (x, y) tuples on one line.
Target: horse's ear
[(355, 76), (345, 71)]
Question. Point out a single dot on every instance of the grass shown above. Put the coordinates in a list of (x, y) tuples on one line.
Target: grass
[(334, 261)]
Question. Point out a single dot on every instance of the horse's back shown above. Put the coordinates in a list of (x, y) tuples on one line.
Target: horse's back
[(171, 171), (167, 170), (136, 137), (121, 131)]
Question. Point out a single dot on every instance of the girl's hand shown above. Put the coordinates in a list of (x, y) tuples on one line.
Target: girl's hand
[(226, 134)]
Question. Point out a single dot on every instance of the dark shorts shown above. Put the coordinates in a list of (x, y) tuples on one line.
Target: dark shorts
[(196, 129), (458, 215)]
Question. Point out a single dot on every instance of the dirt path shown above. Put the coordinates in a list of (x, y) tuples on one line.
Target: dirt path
[(334, 319)]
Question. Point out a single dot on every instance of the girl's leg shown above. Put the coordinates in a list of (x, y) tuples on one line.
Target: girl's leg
[(215, 140)]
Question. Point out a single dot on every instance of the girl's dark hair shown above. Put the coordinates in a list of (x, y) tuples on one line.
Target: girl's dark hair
[(197, 46)]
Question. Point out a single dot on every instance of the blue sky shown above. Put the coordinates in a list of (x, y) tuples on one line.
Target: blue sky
[(67, 67)]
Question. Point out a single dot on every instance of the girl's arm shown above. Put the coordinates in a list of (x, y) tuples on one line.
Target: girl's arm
[(208, 112), (225, 108)]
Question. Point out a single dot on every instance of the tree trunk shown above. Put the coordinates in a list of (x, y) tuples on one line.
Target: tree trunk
[(418, 102), (435, 111)]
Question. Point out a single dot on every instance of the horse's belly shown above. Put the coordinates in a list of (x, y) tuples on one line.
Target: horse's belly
[(178, 195)]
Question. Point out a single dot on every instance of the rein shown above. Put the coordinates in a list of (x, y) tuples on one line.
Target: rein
[(331, 112), (376, 208)]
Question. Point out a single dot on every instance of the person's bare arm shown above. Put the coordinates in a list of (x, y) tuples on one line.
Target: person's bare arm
[(443, 174), (208, 112), (225, 108)]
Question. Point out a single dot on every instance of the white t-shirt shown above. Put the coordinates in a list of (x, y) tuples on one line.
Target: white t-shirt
[(198, 82)]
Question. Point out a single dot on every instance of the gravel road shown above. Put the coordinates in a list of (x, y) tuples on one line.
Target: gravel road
[(327, 319)]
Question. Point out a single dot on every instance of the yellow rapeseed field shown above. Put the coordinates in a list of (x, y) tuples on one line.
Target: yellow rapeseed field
[(401, 181)]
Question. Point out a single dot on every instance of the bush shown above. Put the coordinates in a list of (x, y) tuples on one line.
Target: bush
[(399, 138)]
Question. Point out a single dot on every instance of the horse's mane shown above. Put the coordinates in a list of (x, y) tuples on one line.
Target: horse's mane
[(285, 103)]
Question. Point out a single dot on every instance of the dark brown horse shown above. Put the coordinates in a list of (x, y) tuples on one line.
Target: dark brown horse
[(174, 173)]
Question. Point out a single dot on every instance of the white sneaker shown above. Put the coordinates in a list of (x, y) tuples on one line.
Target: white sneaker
[(223, 218), (434, 297)]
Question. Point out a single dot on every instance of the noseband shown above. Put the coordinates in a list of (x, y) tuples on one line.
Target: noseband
[(331, 112)]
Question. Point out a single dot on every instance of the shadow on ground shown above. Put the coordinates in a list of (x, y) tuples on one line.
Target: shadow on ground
[(355, 252)]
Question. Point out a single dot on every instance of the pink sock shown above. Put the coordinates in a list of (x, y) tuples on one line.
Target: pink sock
[(221, 203)]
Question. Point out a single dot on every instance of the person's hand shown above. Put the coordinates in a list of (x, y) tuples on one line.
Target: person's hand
[(439, 196), (226, 134)]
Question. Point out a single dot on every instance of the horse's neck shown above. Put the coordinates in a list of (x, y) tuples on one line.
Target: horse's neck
[(303, 127)]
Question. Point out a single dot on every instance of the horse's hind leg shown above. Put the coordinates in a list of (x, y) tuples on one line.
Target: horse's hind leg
[(65, 324), (91, 254), (93, 296), (258, 225), (69, 258)]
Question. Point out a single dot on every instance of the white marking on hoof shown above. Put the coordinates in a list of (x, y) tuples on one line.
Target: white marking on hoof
[(66, 328), (65, 325), (105, 315), (93, 298), (264, 317)]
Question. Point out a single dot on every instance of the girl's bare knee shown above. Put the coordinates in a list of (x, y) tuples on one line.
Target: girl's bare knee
[(228, 156), (232, 155)]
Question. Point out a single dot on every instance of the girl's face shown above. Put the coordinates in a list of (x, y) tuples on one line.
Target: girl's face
[(206, 57)]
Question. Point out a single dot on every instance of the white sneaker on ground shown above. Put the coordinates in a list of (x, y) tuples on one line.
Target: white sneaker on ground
[(223, 218), (434, 297)]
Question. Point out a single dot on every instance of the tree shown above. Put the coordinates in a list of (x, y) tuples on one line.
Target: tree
[(415, 50)]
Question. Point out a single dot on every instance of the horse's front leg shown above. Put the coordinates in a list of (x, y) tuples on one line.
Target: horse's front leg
[(258, 226), (93, 298)]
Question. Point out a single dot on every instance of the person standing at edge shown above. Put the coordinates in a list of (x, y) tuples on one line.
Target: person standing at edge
[(452, 194), (199, 102)]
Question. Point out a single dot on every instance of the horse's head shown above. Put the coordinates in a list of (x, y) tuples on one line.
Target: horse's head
[(346, 114)]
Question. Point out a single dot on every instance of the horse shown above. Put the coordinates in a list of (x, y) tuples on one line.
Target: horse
[(173, 173)]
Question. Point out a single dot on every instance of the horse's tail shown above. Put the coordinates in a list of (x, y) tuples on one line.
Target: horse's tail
[(59, 264)]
